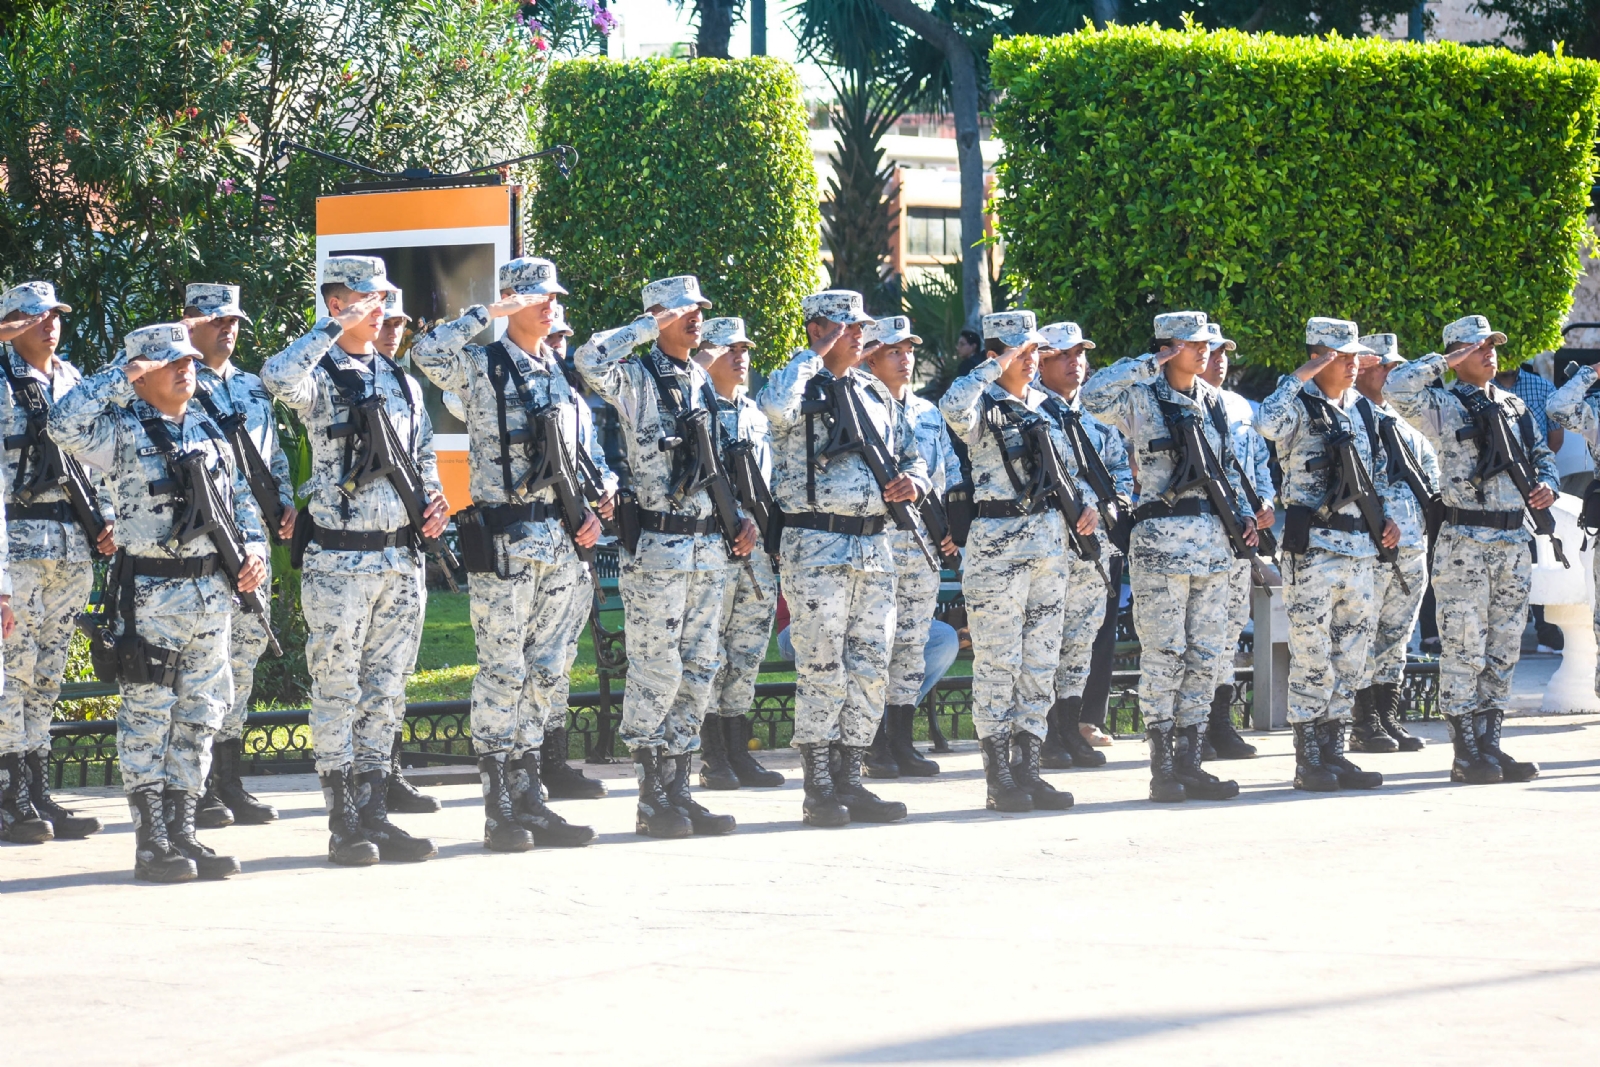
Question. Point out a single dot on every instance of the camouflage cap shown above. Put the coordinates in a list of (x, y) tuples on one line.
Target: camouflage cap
[(720, 333), (1341, 335), (1470, 329), (163, 343), (843, 306), (394, 305), (889, 331), (31, 298), (1064, 335), (558, 325), (1385, 345), (1012, 328), (1215, 339), (530, 275), (680, 291), (1182, 326), (221, 301), (360, 274)]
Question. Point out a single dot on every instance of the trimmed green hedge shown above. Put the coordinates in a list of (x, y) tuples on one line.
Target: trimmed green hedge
[(1267, 179), (697, 167)]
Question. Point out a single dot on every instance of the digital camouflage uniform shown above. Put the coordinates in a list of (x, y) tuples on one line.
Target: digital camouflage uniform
[(1250, 448), (1573, 409), (1397, 608), (362, 608), (746, 617)]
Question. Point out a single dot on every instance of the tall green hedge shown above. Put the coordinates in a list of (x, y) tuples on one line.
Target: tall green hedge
[(697, 167), (1267, 179)]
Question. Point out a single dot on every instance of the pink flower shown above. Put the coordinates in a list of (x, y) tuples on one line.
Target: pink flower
[(226, 187), (541, 45), (605, 21)]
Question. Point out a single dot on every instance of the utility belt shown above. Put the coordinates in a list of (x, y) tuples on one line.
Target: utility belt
[(669, 523), (479, 524), (1160, 509), (127, 658), (307, 532), (827, 522), (59, 511), (1300, 519), (1491, 520), (1001, 509), (167, 567)]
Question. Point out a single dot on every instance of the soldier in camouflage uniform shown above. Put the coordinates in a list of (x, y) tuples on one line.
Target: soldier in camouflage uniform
[(891, 359), (1482, 568), (725, 759), (1179, 554), (674, 580), (1329, 557), (359, 584), (1250, 449), (224, 391), (1575, 408), (837, 564), (1063, 366), (49, 576), (132, 420), (1013, 579), (1377, 726), (530, 607)]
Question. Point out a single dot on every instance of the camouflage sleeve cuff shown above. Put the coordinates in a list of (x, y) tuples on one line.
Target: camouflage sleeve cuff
[(987, 371), (330, 326)]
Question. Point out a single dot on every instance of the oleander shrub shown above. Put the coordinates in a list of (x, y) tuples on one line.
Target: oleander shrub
[(698, 168), (1267, 179)]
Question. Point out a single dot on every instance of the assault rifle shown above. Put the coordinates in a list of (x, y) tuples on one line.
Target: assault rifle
[(754, 494), (383, 456), (206, 514), (263, 486), (702, 470), (1500, 450), (553, 468), (1351, 483), (1051, 481), (1197, 466), (1112, 508), (43, 467), (1404, 464)]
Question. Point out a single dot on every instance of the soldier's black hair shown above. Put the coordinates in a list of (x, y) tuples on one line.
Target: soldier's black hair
[(994, 345), (338, 289)]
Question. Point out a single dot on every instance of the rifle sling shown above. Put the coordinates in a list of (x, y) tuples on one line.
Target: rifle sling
[(351, 385)]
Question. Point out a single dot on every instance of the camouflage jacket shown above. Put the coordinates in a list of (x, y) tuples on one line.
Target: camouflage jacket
[(1439, 414), (294, 377), (101, 422), (457, 367), (743, 421), (933, 444), (1127, 396), (1284, 421), (1573, 409), (1113, 452), (236, 391), (1249, 447), (1398, 501)]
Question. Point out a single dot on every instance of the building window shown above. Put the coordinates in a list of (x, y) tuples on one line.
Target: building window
[(932, 231)]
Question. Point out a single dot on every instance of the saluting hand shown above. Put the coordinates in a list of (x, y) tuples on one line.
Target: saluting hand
[(507, 306), (367, 305), (824, 342), (1009, 355), (1311, 367), (1461, 355), (17, 327), (436, 517)]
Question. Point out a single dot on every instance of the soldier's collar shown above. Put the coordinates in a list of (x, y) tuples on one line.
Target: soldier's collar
[(667, 365), (1075, 403), (23, 368), (1338, 402)]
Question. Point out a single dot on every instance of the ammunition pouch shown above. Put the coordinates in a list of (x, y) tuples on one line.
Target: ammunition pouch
[(772, 537), (1121, 531), (627, 516), (125, 658), (304, 530), (1297, 529), (1589, 517), (102, 647), (958, 512), (142, 663), (474, 541)]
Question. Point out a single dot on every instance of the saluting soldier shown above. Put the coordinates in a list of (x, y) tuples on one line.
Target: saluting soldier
[(532, 596), (172, 604), (1482, 568)]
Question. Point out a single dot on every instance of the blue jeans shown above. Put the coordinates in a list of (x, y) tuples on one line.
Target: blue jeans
[(940, 652)]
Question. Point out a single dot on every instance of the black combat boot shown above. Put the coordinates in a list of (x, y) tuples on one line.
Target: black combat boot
[(527, 801), (715, 773), (656, 816), (154, 857), (20, 821), (226, 766), (1025, 772), (1164, 785), (394, 844), (501, 830), (347, 844), (1366, 729), (1469, 766), (898, 720), (1220, 736), (675, 775), (822, 806), (1054, 754), (863, 805), (562, 780), (880, 762), (1001, 791), (1386, 698), (180, 810), (1331, 740), (402, 797), (1198, 783), (213, 814), (1489, 724), (1082, 753), (1309, 773), (751, 774)]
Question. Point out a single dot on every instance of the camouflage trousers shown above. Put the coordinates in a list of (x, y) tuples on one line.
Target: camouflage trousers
[(45, 595), (1238, 615), (398, 711), (746, 631), (1182, 621), (1083, 609), (916, 596), (1014, 609), (164, 737), (244, 652), (673, 620), (842, 627), (1482, 593), (527, 626), (1332, 612), (361, 639), (1397, 614)]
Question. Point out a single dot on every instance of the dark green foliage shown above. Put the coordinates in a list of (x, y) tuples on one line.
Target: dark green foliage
[(1539, 25), (686, 168), (1267, 179)]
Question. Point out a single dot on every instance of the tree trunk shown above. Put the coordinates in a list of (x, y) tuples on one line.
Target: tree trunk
[(965, 100), (715, 29)]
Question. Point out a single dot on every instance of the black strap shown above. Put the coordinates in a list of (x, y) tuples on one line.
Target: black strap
[(60, 511), (816, 392), (996, 415), (28, 390), (1492, 520), (999, 509), (1212, 407), (669, 523), (827, 522), (1188, 507), (501, 367), (161, 567), (362, 540), (497, 517), (1369, 420), (1351, 524)]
